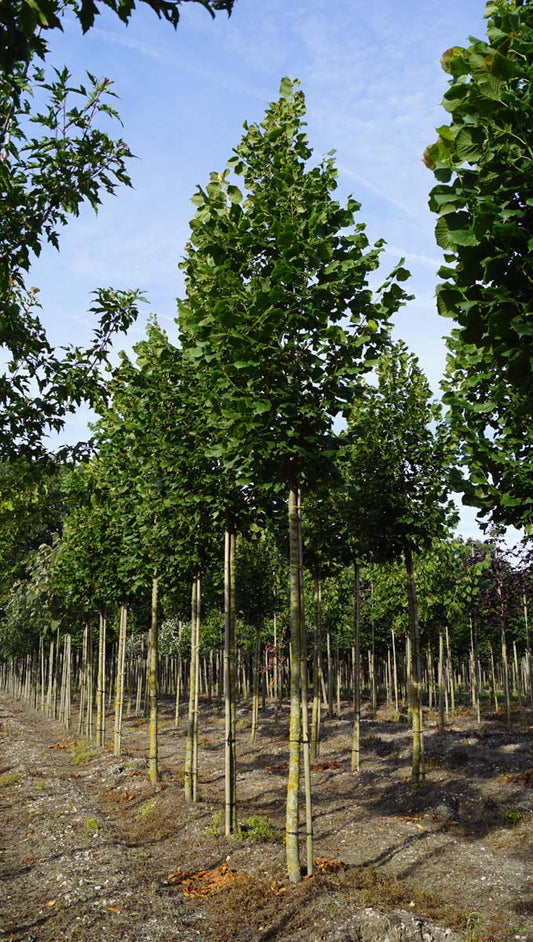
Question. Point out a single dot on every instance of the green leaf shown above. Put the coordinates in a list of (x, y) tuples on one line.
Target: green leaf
[(454, 230), (235, 194), (469, 144)]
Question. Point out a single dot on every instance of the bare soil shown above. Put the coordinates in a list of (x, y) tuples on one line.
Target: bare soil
[(90, 850)]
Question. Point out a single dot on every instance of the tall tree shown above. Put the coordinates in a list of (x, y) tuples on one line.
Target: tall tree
[(395, 437), (483, 161), (53, 160), (279, 319)]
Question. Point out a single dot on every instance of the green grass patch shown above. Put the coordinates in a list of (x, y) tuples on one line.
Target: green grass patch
[(259, 829)]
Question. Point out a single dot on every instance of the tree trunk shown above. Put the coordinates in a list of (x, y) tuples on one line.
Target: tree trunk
[(256, 683), (450, 671), (395, 671), (356, 736), (191, 747), (100, 685), (416, 672), (295, 724), (330, 672), (152, 683), (529, 678), (229, 680), (304, 684), (119, 680), (441, 681), (317, 646)]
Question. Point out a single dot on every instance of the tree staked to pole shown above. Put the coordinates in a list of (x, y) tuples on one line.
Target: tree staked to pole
[(278, 321)]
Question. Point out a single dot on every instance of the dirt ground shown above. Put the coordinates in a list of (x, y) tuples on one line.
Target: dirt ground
[(90, 850)]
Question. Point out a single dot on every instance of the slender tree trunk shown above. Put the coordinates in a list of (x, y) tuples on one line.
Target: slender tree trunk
[(317, 645), (516, 675), (152, 683), (529, 675), (229, 680), (295, 724), (256, 683), (304, 683), (441, 680), (373, 678), (450, 671), (505, 669), (395, 672), (101, 682), (356, 736), (43, 669), (494, 682), (191, 747), (416, 672), (119, 680), (330, 672), (83, 681), (476, 678), (178, 678)]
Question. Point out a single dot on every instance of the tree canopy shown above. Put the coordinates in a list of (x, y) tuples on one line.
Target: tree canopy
[(483, 161), (25, 24)]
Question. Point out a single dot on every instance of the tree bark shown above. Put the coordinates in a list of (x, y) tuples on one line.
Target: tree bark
[(356, 737), (152, 684), (100, 686), (119, 680), (230, 816), (317, 647), (295, 723), (191, 746), (415, 683)]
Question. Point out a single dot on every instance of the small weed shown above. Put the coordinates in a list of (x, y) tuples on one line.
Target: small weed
[(148, 808), (258, 829), (215, 827), (82, 751), (511, 816), (41, 785), (400, 718), (8, 778), (91, 825), (472, 921)]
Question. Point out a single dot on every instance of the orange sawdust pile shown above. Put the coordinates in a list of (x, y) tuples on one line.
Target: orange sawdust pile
[(205, 882), (328, 865)]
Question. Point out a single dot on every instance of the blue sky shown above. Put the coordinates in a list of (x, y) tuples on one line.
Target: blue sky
[(373, 85)]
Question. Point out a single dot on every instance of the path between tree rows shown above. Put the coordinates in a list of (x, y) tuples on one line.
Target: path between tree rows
[(88, 845)]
